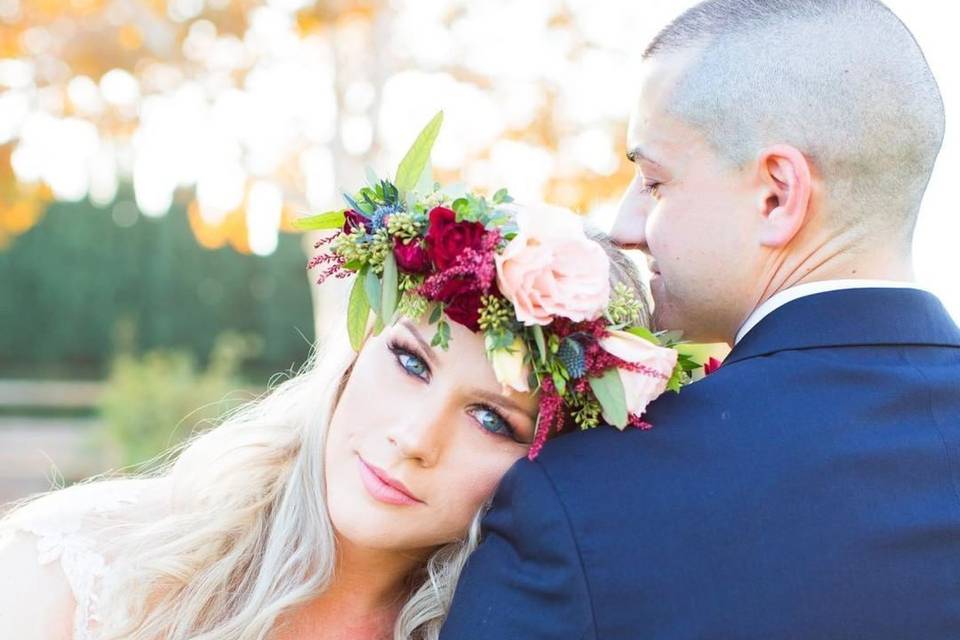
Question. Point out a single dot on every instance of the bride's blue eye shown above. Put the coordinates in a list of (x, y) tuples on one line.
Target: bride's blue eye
[(411, 363), (492, 421)]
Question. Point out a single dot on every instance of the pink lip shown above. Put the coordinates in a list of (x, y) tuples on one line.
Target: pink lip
[(384, 488)]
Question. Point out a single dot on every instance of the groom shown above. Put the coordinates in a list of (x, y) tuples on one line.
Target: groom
[(810, 487)]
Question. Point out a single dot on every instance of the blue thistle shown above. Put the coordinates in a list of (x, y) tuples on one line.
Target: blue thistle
[(571, 355), (378, 219)]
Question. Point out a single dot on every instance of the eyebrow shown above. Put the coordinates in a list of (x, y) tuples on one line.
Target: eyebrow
[(427, 349), (637, 154)]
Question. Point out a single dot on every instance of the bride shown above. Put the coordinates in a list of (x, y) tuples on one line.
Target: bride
[(344, 503)]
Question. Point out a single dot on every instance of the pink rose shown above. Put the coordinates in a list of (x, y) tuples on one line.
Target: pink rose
[(641, 387), (551, 268)]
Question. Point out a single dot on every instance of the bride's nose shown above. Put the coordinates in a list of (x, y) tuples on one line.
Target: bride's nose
[(421, 435)]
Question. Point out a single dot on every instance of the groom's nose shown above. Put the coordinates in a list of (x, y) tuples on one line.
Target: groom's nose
[(631, 221)]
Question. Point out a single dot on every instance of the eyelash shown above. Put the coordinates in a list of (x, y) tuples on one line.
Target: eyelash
[(400, 349), (652, 188)]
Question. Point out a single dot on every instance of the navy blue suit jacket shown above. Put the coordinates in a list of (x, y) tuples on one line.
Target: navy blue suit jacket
[(809, 488)]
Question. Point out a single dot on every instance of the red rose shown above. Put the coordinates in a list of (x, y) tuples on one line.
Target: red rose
[(355, 220), (465, 309), (412, 257), (447, 238), (712, 365)]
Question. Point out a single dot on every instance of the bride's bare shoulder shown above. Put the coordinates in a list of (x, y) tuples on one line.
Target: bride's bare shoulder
[(53, 550), (36, 601)]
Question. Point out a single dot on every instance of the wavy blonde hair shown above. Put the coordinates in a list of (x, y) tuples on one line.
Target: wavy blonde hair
[(247, 536)]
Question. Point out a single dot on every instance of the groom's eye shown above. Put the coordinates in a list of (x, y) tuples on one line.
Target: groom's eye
[(650, 187)]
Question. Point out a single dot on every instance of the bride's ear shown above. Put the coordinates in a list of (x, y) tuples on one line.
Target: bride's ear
[(785, 176)]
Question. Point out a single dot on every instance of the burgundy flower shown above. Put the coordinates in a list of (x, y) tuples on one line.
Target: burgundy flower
[(447, 289), (355, 220), (712, 365), (446, 237), (464, 309), (412, 258)]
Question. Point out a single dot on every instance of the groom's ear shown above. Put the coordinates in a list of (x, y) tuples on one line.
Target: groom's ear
[(784, 174)]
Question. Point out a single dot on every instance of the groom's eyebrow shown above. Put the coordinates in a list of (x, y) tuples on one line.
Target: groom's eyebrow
[(637, 154)]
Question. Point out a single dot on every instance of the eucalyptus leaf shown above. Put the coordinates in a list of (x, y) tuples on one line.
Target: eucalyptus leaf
[(328, 220), (669, 337), (644, 333), (416, 159), (373, 289), (358, 310), (609, 392), (390, 288), (537, 332)]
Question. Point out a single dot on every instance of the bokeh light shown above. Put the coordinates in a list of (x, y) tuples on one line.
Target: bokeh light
[(251, 113)]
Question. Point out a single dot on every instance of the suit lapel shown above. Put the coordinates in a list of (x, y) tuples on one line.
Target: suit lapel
[(851, 317)]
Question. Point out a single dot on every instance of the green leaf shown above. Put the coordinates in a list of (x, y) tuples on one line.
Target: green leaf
[(436, 313), (501, 197), (373, 289), (537, 332), (696, 352), (442, 337), (358, 311), (609, 392), (372, 178), (646, 334), (460, 206), (388, 304), (559, 383), (328, 220), (670, 337), (413, 164)]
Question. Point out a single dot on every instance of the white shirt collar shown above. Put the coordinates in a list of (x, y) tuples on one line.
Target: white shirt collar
[(810, 288)]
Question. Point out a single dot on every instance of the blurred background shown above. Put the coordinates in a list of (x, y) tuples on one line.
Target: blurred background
[(153, 154)]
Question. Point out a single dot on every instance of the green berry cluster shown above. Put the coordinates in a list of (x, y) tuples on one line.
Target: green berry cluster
[(353, 247), (405, 225), (585, 411), (410, 281), (495, 313), (412, 305), (381, 245), (624, 308)]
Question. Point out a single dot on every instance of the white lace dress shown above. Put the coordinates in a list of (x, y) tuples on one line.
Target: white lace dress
[(68, 528)]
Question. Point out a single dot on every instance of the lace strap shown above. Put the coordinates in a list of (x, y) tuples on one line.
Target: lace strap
[(57, 525)]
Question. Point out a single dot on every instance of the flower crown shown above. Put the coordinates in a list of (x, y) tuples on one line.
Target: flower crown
[(535, 285)]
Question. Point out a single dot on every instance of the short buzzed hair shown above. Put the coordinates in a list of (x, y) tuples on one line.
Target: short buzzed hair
[(844, 81)]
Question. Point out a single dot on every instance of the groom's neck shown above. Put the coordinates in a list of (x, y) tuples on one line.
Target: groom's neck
[(834, 259)]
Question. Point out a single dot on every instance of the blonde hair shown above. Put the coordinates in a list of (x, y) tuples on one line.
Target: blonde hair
[(247, 536)]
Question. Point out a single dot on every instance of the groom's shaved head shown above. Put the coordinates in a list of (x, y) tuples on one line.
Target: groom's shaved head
[(843, 81)]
